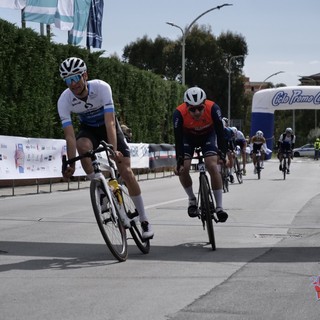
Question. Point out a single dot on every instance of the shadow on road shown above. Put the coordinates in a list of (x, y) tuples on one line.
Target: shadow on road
[(72, 256)]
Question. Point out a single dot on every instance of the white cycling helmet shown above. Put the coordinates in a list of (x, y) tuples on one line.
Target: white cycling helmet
[(259, 133), (194, 96), (235, 130), (72, 66), (289, 130)]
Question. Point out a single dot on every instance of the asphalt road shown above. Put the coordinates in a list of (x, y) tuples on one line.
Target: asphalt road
[(55, 265)]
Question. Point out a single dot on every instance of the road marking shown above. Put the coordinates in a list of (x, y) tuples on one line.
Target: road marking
[(164, 203)]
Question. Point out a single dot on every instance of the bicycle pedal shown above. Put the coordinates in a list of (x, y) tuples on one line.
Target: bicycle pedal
[(132, 215)]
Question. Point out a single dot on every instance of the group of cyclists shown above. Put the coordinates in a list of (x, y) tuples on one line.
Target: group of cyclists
[(197, 122)]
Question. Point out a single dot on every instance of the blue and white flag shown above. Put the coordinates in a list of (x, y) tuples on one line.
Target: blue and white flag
[(42, 11), (94, 34), (80, 20), (13, 4), (64, 14)]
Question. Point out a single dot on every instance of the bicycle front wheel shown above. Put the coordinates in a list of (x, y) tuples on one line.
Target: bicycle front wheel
[(109, 222), (284, 168), (131, 211), (237, 170), (258, 168), (225, 180), (207, 207)]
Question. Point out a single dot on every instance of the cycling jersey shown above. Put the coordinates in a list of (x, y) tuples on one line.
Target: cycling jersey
[(286, 142), (257, 143), (205, 132), (230, 138), (91, 113)]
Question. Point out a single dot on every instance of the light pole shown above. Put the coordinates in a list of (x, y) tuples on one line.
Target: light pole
[(274, 74), (185, 34), (315, 110), (229, 84)]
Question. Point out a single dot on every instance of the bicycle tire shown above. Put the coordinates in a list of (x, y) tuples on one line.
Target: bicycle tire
[(284, 168), (237, 170), (112, 229), (207, 205), (130, 209), (224, 180), (258, 166)]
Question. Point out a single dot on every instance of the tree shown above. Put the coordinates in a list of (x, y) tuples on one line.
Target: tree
[(205, 66)]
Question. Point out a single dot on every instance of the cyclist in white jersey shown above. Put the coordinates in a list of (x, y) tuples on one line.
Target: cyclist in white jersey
[(93, 103)]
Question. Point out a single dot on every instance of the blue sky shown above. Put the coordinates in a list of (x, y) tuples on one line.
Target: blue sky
[(282, 35)]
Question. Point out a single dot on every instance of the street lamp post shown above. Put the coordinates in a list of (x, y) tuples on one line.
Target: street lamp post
[(185, 34), (229, 84), (274, 74)]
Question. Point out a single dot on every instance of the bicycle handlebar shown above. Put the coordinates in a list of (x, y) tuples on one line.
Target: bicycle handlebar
[(105, 147)]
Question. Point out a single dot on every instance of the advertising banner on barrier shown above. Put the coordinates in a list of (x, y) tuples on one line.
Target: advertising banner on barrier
[(35, 158), (161, 155), (139, 155), (28, 158)]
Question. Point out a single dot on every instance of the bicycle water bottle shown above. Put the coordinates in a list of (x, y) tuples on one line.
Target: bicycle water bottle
[(116, 190)]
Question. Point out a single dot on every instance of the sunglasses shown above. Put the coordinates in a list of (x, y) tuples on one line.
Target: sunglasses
[(195, 108), (75, 78)]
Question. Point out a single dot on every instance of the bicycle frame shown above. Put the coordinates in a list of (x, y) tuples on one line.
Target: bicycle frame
[(120, 207), (258, 163), (285, 157), (225, 177), (236, 165), (205, 199)]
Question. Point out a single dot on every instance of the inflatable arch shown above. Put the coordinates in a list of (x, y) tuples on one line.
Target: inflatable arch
[(265, 102)]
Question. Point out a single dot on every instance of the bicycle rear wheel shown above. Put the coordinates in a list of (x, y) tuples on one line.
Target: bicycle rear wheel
[(225, 179), (258, 166), (237, 170), (109, 222), (207, 208), (131, 211), (284, 168)]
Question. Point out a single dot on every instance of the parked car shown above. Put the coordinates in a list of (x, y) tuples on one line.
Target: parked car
[(305, 151)]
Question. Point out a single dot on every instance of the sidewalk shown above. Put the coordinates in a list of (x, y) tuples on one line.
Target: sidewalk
[(37, 187)]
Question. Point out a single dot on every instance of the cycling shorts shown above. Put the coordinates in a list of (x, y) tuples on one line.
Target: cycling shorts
[(96, 134), (207, 144), (241, 143), (256, 147)]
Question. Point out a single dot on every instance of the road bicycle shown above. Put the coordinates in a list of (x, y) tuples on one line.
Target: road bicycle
[(206, 205), (236, 165), (258, 166), (284, 163), (225, 177), (113, 208)]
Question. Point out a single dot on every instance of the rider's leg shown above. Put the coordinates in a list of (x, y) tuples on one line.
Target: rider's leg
[(186, 182), (216, 185), (244, 156), (126, 173), (280, 157), (83, 146)]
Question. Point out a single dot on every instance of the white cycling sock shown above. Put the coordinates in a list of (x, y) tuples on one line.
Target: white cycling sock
[(138, 202), (189, 192), (217, 194)]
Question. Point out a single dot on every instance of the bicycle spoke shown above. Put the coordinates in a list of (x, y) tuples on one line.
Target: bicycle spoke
[(109, 222)]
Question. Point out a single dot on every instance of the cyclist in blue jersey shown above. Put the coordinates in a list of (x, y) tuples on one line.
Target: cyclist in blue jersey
[(230, 140), (92, 101), (286, 145)]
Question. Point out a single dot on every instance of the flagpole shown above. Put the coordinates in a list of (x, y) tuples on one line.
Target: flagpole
[(23, 22)]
